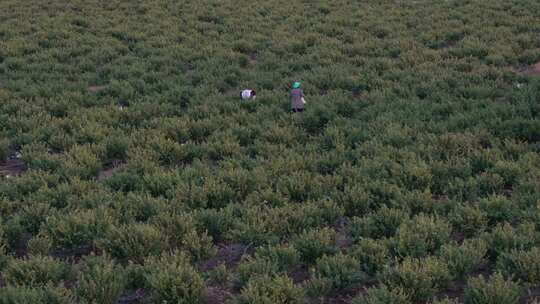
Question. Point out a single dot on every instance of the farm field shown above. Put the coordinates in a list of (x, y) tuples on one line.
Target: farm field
[(131, 171)]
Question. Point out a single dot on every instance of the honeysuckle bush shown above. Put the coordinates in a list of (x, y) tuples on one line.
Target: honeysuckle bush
[(414, 168)]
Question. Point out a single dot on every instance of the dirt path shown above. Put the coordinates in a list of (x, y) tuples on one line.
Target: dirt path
[(533, 70), (13, 166), (109, 169)]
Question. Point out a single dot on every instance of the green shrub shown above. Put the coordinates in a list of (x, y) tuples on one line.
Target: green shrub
[(173, 280), (82, 162), (215, 221), (268, 260), (333, 273), (80, 228), (315, 243), (382, 295), (13, 231), (372, 255), (34, 215), (137, 208), (498, 209), (3, 254), (116, 147), (124, 181), (383, 223), (523, 265), (133, 242), (199, 245), (465, 258), (35, 295), (38, 157), (40, 245), (99, 281), (493, 290), (355, 200), (4, 149), (135, 276), (174, 226), (36, 271), (446, 301), (422, 235), (181, 231), (505, 238), (419, 278), (471, 221), (270, 290), (219, 275)]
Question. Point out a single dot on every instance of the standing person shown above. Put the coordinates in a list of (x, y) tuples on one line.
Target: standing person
[(297, 98), (248, 94)]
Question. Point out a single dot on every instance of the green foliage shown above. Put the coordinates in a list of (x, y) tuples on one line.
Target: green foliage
[(421, 129), (523, 265), (313, 244), (133, 242), (199, 245), (493, 290), (173, 279), (465, 258), (99, 281), (78, 229), (505, 238), (40, 245), (372, 255), (446, 301), (82, 162), (36, 271), (334, 273), (382, 295), (422, 235), (182, 233), (469, 220), (116, 147), (271, 260), (383, 223), (418, 278), (37, 295), (3, 255), (220, 275), (498, 209), (4, 149), (270, 290)]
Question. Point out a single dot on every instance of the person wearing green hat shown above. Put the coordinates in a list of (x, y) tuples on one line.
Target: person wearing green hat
[(297, 97)]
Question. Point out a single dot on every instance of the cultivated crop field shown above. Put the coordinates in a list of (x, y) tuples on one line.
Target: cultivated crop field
[(131, 172)]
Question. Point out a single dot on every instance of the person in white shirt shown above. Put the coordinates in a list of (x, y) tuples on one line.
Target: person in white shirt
[(248, 94)]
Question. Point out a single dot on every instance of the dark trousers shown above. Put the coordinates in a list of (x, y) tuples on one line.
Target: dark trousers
[(298, 110)]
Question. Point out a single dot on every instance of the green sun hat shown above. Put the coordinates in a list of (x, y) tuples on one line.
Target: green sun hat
[(296, 85)]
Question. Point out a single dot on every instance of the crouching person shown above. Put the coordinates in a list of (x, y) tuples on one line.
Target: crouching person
[(248, 94)]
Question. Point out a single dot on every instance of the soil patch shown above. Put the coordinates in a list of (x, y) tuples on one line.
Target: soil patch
[(253, 58), (299, 274), (216, 295), (532, 296), (343, 297), (132, 297), (75, 254), (21, 247), (96, 88), (456, 291), (109, 169), (533, 70), (13, 166), (228, 254)]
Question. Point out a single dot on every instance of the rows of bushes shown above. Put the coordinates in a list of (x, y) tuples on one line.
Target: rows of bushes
[(413, 176)]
